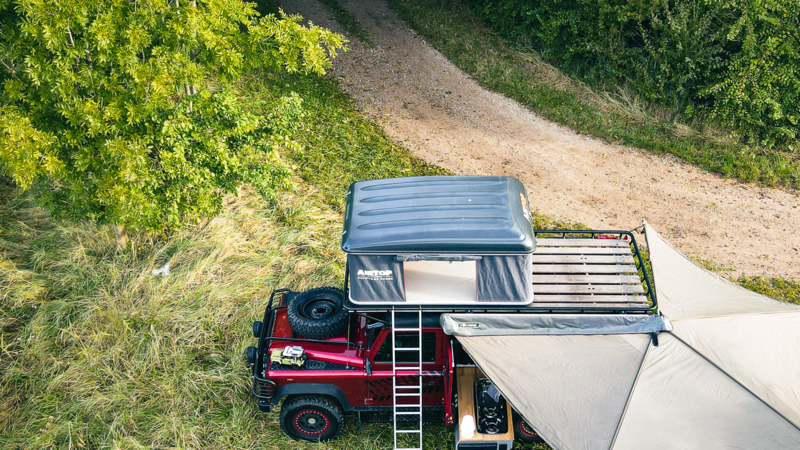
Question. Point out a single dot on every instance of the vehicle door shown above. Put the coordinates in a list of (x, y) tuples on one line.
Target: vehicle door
[(379, 381)]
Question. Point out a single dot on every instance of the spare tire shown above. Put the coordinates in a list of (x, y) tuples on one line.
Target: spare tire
[(318, 313)]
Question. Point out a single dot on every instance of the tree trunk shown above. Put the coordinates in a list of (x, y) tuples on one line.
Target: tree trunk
[(122, 237)]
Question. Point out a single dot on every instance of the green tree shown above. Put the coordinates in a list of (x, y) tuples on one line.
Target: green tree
[(760, 93), (122, 111)]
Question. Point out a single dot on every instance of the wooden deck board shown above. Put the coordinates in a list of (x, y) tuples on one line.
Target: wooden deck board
[(582, 259), (586, 272), (587, 289), (579, 242), (580, 306), (583, 268), (582, 250), (576, 298), (593, 279)]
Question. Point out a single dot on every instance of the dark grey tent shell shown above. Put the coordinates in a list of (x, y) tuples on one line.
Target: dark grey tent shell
[(482, 220), (448, 214)]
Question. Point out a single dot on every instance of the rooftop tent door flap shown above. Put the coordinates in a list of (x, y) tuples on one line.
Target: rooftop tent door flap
[(375, 278), (505, 278)]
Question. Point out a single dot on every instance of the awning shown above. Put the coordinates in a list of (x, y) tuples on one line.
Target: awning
[(727, 376), (751, 337)]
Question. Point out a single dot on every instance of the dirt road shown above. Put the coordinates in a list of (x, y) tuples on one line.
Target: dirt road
[(440, 114)]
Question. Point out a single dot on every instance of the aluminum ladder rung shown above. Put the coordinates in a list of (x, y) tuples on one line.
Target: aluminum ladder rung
[(408, 389)]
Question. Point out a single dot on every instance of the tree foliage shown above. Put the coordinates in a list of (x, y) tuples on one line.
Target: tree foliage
[(123, 111), (735, 60)]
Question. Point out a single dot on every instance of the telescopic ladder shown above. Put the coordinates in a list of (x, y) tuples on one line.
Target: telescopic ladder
[(407, 381)]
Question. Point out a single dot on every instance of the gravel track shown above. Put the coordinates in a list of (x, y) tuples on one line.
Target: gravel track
[(443, 116)]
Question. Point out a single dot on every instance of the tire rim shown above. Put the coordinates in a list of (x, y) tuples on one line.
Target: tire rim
[(319, 309), (526, 430), (311, 422)]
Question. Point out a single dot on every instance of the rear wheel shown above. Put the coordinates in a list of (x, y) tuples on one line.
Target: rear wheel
[(318, 313), (523, 432), (311, 418)]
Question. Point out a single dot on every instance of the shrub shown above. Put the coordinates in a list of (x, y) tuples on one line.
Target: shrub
[(736, 61)]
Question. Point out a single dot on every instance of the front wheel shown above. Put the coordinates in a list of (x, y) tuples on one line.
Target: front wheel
[(523, 432), (311, 418)]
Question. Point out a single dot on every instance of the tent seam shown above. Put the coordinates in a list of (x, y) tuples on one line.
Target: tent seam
[(796, 426), (630, 394)]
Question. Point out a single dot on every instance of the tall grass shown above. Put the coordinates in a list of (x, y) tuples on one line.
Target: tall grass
[(97, 352)]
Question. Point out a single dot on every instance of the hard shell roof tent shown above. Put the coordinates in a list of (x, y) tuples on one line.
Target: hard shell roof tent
[(448, 240)]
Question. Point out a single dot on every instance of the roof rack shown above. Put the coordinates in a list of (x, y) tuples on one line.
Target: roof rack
[(574, 271)]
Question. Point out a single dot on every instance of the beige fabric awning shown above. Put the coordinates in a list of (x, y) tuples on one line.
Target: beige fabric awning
[(727, 375), (752, 338)]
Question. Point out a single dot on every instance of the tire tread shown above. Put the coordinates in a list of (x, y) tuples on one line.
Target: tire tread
[(325, 328), (325, 403)]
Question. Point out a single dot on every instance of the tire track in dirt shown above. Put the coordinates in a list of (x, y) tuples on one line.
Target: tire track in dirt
[(443, 116)]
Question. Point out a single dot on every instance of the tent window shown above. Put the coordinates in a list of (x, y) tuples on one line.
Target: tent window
[(440, 281)]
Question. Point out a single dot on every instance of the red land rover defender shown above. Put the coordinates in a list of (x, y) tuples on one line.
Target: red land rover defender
[(417, 249)]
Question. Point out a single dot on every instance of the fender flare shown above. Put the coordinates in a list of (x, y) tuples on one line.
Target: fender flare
[(313, 388)]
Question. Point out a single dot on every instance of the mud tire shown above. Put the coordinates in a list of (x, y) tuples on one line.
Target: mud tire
[(311, 418), (318, 313), (523, 432)]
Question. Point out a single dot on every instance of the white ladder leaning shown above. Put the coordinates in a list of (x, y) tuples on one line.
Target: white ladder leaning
[(407, 381)]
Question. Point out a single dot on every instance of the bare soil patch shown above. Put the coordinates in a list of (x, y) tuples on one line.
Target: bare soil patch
[(441, 115)]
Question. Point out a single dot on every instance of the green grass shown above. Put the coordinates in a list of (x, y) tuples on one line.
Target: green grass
[(500, 66), (784, 289)]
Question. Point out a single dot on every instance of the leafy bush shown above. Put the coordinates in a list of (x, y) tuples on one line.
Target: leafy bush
[(124, 112), (735, 61)]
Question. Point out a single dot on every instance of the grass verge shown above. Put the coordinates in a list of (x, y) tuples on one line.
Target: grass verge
[(498, 65)]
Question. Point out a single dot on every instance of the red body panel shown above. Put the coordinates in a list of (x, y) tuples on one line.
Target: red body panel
[(360, 388), (380, 381)]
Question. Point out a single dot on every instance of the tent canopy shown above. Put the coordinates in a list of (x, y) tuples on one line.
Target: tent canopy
[(723, 373)]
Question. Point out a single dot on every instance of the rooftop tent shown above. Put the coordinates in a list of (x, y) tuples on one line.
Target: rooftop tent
[(721, 373), (438, 240)]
